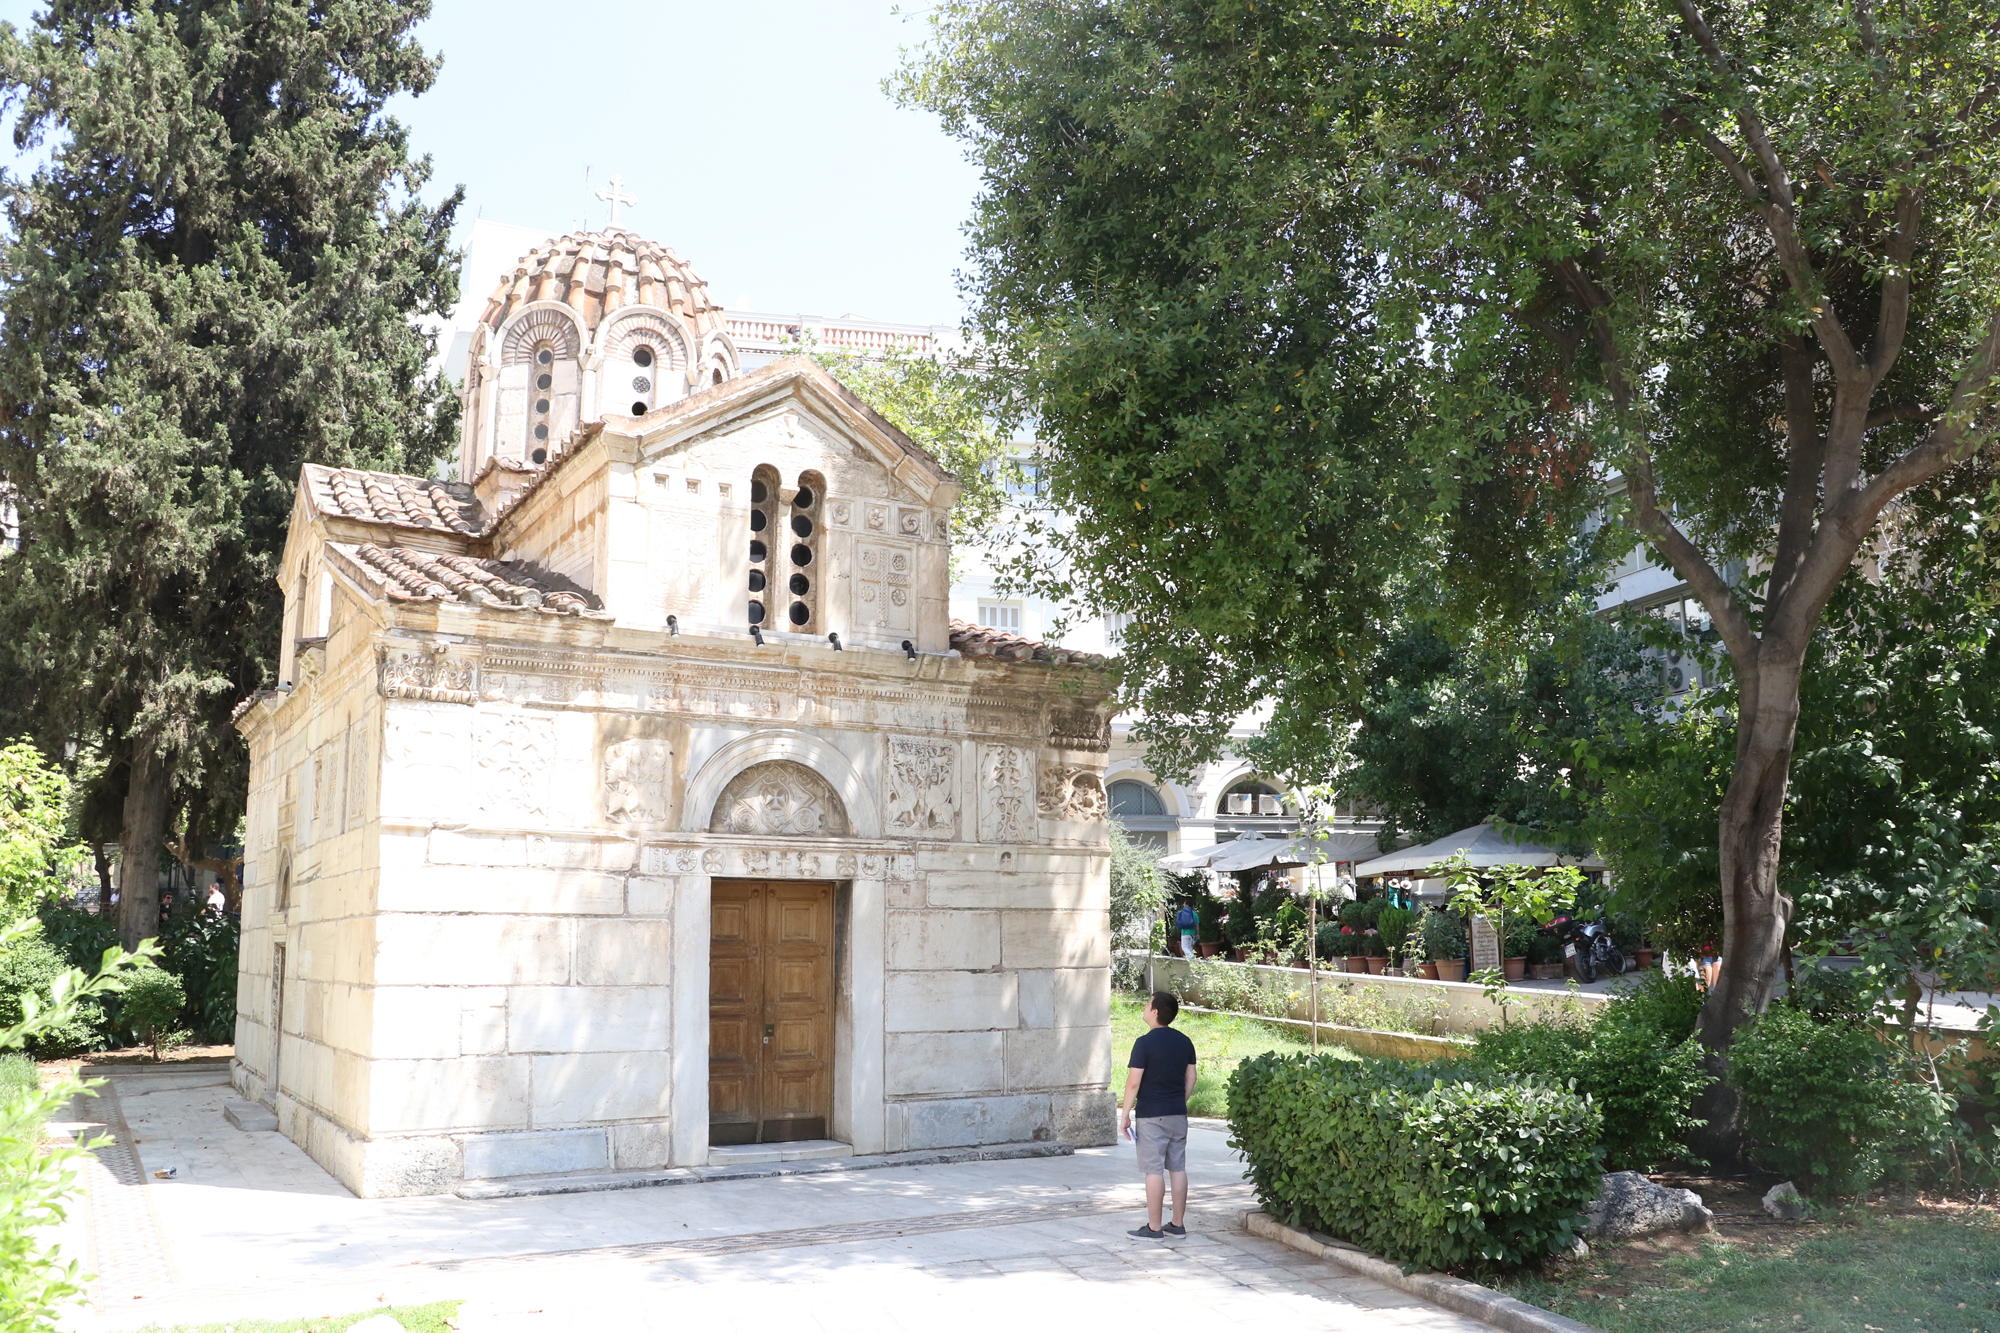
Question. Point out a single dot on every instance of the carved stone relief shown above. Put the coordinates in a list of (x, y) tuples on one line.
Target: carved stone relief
[(911, 521), (922, 800), (1006, 794), (1067, 792), (779, 799), (711, 861), (636, 778), (1079, 729), (878, 518), (882, 588), (429, 674), (842, 512), (844, 866), (516, 753)]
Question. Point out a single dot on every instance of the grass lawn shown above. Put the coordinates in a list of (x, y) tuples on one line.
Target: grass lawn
[(1883, 1266), (415, 1318), (1222, 1043)]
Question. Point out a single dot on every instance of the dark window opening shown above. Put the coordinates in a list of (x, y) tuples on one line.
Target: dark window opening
[(757, 580), (800, 614), (800, 585), (802, 554)]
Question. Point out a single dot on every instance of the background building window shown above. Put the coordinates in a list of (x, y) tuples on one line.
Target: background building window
[(1138, 809), (1115, 624), (1001, 615)]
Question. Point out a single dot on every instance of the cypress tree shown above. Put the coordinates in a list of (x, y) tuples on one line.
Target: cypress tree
[(211, 280)]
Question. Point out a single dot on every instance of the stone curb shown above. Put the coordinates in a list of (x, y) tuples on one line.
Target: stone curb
[(1450, 1293), (589, 1183)]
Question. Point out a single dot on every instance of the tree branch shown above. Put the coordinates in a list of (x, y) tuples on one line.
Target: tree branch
[(1685, 557), (1805, 451), (1885, 416), (1777, 205), (1965, 426), (1894, 316)]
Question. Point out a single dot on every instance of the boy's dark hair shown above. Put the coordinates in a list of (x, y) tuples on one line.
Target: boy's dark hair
[(1166, 1006)]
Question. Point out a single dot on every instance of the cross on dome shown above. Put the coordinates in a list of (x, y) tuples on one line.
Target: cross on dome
[(614, 194)]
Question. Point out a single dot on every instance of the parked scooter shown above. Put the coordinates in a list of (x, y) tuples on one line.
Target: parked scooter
[(1588, 949)]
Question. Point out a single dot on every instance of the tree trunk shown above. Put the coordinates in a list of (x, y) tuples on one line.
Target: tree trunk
[(1755, 914), (103, 859), (140, 841)]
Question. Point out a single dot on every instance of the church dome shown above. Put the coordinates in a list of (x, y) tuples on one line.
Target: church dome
[(597, 273)]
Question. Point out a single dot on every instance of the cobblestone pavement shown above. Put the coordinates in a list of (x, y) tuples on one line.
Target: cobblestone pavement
[(248, 1226)]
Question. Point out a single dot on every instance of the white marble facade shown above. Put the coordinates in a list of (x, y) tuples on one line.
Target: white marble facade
[(524, 726)]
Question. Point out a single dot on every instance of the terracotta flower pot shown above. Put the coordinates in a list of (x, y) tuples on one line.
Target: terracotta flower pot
[(1355, 963), (1449, 969), (1642, 958), (1515, 968), (1376, 966), (1428, 971), (1206, 950)]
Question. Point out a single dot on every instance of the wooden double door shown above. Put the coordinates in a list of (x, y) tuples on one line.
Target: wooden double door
[(770, 1011)]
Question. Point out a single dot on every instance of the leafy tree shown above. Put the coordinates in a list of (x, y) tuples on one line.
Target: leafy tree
[(34, 800), (1138, 891), (940, 403), (1458, 727), (1318, 297), (209, 281)]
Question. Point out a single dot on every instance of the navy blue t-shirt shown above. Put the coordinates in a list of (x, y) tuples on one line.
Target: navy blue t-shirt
[(1162, 1057)]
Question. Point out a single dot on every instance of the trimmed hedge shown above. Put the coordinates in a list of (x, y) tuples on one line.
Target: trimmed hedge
[(1440, 1164)]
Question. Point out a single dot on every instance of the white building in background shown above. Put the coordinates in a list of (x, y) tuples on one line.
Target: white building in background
[(1224, 800)]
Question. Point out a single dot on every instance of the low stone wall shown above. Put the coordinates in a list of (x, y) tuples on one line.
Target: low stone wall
[(1450, 1008), (1366, 1041)]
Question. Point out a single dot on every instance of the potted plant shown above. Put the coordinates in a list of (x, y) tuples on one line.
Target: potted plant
[(1373, 956), (1207, 930), (1352, 959), (1545, 957), (1445, 941), (1415, 961), (1642, 957), (1393, 925), (1521, 932)]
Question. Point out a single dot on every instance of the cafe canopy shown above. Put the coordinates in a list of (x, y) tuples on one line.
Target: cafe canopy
[(1484, 846)]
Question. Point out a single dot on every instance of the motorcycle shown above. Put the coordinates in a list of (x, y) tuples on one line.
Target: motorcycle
[(1588, 949)]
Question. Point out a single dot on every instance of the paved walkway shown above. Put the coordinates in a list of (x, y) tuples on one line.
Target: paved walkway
[(250, 1227)]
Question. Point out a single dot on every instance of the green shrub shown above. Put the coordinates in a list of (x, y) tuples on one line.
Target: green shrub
[(1395, 925), (1634, 1059), (29, 966), (1817, 1104), (1444, 933), (201, 948), (1443, 1165), (1668, 1005), (36, 1283), (154, 999), (17, 1074)]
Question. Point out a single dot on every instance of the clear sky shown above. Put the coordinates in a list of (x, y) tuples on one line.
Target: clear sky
[(756, 138)]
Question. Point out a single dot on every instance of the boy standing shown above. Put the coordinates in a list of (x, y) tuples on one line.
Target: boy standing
[(1185, 921), (1161, 1080)]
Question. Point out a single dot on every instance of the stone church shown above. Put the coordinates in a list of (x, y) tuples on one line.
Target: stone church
[(631, 802)]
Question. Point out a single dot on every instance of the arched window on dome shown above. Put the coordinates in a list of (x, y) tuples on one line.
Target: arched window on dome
[(541, 397), (802, 584), (767, 542), (645, 378)]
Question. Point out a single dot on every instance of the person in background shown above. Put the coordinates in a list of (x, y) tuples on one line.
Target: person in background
[(1154, 1113), (217, 903), (1184, 921)]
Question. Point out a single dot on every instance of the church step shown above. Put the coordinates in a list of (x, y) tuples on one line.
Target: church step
[(586, 1182), (800, 1150)]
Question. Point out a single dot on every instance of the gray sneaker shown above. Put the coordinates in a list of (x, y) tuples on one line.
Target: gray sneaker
[(1173, 1229), (1146, 1233)]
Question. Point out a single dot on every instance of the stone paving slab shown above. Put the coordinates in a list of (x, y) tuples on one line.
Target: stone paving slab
[(251, 1227)]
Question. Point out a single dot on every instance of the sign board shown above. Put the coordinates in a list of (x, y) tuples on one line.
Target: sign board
[(1485, 944)]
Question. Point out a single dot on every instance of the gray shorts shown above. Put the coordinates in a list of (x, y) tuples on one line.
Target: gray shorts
[(1162, 1143)]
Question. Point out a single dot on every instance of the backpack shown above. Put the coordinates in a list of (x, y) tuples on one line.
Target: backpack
[(1185, 918)]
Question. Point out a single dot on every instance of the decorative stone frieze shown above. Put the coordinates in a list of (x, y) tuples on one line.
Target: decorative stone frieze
[(1006, 794), (430, 673), (779, 799), (1071, 793)]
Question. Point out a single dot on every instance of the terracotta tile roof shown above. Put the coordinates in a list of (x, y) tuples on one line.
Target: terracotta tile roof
[(985, 641), (384, 497), (407, 575), (595, 273), (248, 702)]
